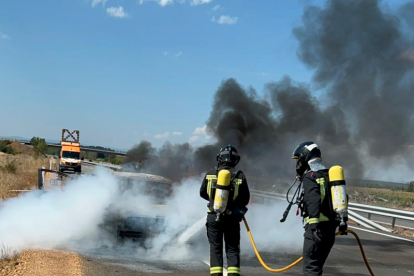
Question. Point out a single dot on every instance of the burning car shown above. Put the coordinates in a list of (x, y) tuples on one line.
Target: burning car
[(141, 213)]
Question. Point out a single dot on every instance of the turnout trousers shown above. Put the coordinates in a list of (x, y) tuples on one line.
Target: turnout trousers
[(316, 253), (229, 229)]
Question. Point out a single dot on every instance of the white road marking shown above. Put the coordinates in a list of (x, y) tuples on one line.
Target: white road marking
[(381, 234), (208, 263)]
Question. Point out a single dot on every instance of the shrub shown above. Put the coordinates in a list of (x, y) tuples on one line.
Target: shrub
[(39, 144), (10, 166), (116, 161), (5, 147), (6, 253), (410, 187)]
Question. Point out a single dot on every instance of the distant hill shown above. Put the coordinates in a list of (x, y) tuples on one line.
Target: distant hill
[(13, 137), (54, 141)]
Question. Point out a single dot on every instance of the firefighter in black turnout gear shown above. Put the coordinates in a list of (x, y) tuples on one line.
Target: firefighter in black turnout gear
[(317, 208), (227, 194)]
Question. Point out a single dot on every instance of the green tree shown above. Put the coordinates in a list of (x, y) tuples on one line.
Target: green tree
[(410, 187), (39, 144)]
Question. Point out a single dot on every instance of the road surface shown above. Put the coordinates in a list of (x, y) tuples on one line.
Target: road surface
[(388, 255)]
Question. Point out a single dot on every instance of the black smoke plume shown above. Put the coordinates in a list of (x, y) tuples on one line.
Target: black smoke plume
[(359, 53), (363, 65)]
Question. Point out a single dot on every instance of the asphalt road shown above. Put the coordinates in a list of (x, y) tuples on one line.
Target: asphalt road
[(388, 255)]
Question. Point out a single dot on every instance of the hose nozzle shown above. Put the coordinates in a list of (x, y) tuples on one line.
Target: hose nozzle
[(285, 214)]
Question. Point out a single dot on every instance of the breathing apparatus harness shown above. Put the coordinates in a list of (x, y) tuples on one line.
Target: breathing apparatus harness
[(332, 184), (222, 191), (223, 188), (337, 197), (334, 191)]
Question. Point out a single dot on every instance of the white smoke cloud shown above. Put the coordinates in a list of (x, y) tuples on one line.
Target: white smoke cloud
[(57, 218), (72, 219), (269, 233)]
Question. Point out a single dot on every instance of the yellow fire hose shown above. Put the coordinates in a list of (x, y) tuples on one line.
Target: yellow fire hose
[(301, 258)]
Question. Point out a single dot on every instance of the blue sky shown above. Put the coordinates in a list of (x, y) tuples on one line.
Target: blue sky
[(123, 71)]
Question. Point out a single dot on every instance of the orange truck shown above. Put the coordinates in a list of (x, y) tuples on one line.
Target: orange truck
[(69, 158)]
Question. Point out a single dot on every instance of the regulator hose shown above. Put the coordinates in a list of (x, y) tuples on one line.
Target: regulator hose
[(301, 258)]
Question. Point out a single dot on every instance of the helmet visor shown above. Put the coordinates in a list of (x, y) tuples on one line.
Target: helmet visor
[(228, 157)]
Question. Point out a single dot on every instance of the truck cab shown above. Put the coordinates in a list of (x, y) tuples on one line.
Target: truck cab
[(69, 157)]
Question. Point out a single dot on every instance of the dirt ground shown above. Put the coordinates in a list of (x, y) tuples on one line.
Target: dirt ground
[(42, 263)]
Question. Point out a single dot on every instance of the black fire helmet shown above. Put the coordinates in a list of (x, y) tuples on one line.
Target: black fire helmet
[(303, 153), (228, 156)]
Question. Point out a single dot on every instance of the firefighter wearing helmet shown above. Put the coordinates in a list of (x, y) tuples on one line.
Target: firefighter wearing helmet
[(227, 194), (323, 194)]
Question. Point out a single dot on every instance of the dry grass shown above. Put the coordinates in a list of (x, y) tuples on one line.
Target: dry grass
[(8, 260), (42, 263), (382, 197), (23, 149), (19, 172)]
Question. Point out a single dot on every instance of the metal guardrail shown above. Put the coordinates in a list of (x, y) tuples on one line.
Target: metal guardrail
[(353, 208), (381, 211), (107, 165)]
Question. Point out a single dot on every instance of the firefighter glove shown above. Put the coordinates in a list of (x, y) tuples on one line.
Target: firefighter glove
[(239, 213), (316, 235)]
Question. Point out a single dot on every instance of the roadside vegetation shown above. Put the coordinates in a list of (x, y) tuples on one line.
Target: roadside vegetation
[(5, 147), (18, 168), (402, 199), (8, 260), (39, 145)]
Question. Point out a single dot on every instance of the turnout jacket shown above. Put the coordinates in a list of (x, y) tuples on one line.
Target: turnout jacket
[(239, 195), (317, 204)]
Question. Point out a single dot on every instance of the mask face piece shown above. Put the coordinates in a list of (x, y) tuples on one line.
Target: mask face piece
[(301, 167), (228, 156)]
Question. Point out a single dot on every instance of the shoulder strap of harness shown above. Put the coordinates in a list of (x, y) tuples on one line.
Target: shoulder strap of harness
[(212, 184)]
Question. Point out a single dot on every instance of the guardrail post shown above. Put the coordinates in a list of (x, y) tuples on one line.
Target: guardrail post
[(40, 179), (393, 222)]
